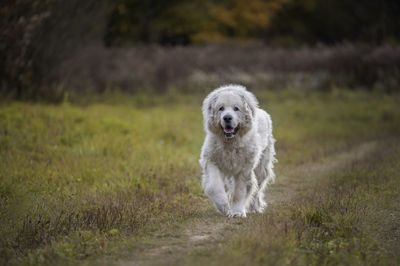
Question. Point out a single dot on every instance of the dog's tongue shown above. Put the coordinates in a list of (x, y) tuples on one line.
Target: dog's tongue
[(228, 130)]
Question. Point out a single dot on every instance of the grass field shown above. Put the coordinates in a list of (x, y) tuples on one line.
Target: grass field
[(116, 180)]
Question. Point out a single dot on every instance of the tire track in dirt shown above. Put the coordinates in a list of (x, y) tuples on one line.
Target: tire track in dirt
[(208, 230)]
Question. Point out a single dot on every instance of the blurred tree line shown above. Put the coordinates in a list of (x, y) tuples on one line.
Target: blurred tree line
[(36, 35), (287, 22), (185, 22)]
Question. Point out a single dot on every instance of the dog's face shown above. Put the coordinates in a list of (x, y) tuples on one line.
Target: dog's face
[(229, 114)]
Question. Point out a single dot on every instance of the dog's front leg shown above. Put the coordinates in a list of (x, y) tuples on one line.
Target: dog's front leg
[(213, 186), (244, 188)]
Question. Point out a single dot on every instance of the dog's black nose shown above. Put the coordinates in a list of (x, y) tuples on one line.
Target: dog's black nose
[(227, 118)]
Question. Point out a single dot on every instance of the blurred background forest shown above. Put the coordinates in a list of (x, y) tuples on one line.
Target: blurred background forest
[(53, 47)]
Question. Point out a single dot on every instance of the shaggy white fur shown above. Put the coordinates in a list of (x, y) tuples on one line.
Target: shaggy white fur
[(238, 153)]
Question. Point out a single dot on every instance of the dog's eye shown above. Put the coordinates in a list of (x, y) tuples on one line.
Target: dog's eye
[(221, 108), (236, 108)]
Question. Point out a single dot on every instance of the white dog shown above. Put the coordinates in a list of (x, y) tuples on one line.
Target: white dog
[(238, 152)]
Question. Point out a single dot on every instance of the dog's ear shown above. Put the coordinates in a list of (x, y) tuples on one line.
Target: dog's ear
[(210, 123), (208, 103), (249, 100)]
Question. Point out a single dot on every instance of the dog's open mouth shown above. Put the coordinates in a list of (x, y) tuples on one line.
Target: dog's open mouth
[(230, 132)]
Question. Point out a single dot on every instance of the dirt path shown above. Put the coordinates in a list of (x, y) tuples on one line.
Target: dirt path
[(207, 231), (301, 177)]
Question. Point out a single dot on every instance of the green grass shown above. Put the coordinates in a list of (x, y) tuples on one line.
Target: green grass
[(74, 174), (86, 180)]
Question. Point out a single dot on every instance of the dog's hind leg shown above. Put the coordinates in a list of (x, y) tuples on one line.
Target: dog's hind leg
[(258, 203), (265, 175)]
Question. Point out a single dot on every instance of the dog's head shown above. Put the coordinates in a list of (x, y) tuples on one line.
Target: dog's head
[(229, 111)]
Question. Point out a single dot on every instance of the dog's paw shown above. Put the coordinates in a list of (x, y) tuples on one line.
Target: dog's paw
[(236, 214)]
